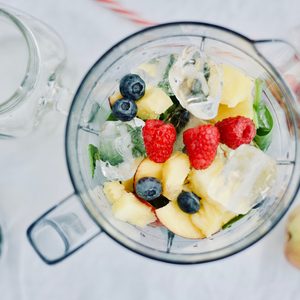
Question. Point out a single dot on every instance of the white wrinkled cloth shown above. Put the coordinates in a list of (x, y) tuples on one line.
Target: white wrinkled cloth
[(34, 177)]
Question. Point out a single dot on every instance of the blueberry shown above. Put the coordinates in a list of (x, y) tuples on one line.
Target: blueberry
[(132, 86), (148, 188), (188, 202), (124, 109)]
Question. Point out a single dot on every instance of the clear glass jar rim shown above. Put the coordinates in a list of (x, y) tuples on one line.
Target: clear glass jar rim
[(32, 69)]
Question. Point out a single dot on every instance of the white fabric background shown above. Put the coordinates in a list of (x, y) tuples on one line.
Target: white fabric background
[(34, 177)]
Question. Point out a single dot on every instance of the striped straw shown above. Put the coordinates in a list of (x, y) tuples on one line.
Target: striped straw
[(118, 8)]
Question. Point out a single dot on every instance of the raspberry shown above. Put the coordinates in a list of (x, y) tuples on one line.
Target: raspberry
[(201, 145), (159, 139), (235, 131)]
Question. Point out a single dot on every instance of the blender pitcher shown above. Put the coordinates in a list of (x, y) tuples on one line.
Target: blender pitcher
[(83, 215)]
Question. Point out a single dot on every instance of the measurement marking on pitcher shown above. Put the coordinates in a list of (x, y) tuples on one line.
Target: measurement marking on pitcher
[(89, 130), (202, 44), (285, 162), (171, 236)]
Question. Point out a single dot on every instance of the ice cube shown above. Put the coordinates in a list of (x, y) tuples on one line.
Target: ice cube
[(154, 70), (115, 148), (124, 171), (197, 83), (244, 181)]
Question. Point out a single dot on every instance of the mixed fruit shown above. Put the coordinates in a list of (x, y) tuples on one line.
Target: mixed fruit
[(184, 147)]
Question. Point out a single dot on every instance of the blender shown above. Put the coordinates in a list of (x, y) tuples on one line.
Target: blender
[(86, 213)]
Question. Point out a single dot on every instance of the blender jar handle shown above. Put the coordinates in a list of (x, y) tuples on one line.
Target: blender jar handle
[(62, 230), (284, 55)]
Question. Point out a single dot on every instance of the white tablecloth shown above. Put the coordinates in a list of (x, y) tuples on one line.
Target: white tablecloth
[(34, 177)]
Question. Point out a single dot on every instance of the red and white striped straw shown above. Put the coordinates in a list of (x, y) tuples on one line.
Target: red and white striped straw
[(118, 8)]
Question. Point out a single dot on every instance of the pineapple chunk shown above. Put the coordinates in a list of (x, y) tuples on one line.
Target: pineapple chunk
[(187, 188), (174, 172), (129, 209), (236, 86), (148, 168), (153, 103), (211, 217), (200, 179), (126, 207), (148, 68), (244, 108), (177, 221), (114, 97), (113, 191)]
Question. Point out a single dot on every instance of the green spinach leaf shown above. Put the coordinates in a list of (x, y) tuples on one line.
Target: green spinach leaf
[(138, 149), (233, 220), (262, 118), (109, 154), (164, 84), (94, 155), (111, 117), (176, 115), (166, 115)]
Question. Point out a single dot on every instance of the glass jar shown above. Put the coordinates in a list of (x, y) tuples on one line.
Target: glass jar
[(32, 56)]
